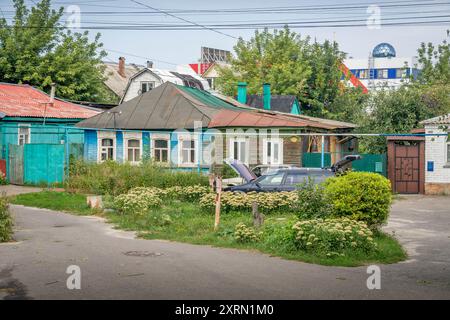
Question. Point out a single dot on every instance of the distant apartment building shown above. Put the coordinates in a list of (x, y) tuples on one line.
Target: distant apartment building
[(382, 68)]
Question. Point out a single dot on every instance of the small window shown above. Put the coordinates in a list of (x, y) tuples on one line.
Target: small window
[(24, 135), (382, 74), (273, 151), (272, 180), (107, 149), (161, 150), (239, 150), (400, 73), (188, 151), (147, 86), (134, 150), (448, 152), (362, 74)]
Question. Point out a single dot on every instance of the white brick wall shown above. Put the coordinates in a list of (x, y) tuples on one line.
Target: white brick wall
[(135, 85), (436, 150)]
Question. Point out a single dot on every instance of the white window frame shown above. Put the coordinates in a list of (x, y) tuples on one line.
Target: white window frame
[(273, 141), (187, 137), (27, 137), (246, 149), (447, 150), (132, 136), (155, 137), (105, 135), (148, 84)]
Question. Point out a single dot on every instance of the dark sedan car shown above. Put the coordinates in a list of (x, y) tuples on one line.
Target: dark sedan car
[(286, 179)]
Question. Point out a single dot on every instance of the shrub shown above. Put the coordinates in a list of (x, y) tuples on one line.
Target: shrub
[(330, 237), (243, 234), (312, 201), (361, 196), (113, 178), (6, 221), (268, 202), (188, 193), (137, 201)]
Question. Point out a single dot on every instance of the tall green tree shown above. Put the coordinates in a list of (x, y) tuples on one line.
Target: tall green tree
[(292, 65), (36, 49)]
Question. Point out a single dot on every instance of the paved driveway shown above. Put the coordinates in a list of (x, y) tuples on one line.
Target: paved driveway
[(48, 242)]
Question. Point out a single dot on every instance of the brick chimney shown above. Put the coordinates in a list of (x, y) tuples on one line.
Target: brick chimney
[(122, 67)]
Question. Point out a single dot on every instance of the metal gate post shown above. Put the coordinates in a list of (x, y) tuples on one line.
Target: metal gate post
[(66, 156), (322, 153)]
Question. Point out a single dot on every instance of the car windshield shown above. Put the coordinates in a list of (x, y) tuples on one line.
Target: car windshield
[(274, 178)]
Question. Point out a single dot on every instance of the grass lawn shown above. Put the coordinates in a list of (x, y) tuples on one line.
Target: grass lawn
[(58, 201), (186, 222)]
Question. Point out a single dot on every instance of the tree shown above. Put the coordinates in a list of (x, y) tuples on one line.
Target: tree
[(35, 49), (292, 65)]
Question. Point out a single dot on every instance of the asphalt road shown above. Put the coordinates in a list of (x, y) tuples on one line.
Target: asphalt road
[(115, 265)]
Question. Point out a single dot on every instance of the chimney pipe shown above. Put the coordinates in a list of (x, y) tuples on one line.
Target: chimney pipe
[(266, 96), (149, 64), (52, 93), (242, 92), (122, 67)]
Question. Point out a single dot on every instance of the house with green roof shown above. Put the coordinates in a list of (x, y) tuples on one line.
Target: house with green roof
[(189, 128)]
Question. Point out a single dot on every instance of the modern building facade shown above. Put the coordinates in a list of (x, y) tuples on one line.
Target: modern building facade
[(382, 68)]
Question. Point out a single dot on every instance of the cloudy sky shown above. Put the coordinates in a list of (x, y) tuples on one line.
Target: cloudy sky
[(140, 30)]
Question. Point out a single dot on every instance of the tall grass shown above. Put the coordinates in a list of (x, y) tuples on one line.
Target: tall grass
[(114, 178)]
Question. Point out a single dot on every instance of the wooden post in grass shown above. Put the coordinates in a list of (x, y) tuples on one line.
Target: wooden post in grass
[(218, 198), (258, 218)]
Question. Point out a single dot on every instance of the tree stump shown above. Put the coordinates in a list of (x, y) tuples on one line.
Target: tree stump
[(258, 217)]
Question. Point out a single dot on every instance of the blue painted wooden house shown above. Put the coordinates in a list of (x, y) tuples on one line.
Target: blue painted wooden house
[(179, 127)]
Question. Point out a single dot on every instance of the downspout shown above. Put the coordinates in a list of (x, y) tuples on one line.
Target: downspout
[(322, 152)]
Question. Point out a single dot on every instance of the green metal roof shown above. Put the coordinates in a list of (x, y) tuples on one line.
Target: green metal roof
[(207, 98)]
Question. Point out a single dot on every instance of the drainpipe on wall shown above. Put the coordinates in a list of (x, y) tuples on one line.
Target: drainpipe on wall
[(266, 96), (242, 92)]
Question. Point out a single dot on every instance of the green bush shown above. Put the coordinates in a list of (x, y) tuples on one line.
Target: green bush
[(361, 196), (113, 178), (6, 221), (329, 237), (268, 202), (312, 201), (137, 201)]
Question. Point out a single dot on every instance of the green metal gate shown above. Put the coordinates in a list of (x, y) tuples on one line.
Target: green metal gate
[(43, 163), (368, 162), (15, 164), (36, 164)]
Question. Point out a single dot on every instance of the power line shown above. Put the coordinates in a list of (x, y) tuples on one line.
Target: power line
[(142, 57), (185, 20)]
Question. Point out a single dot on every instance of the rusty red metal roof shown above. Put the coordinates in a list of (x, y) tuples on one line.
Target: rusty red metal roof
[(247, 118), (18, 100)]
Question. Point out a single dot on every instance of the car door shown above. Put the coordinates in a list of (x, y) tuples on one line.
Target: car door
[(293, 179)]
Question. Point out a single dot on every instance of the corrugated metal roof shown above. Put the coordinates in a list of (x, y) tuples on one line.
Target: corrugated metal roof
[(114, 81), (171, 106), (445, 119), (26, 101)]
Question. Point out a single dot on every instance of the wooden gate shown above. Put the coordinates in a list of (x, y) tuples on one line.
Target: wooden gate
[(15, 159), (406, 168)]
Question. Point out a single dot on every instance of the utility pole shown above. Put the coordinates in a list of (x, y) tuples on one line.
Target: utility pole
[(114, 116)]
